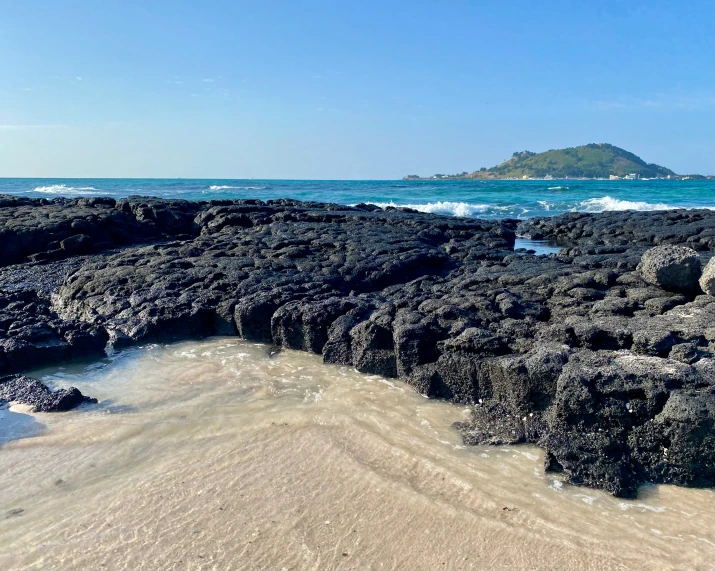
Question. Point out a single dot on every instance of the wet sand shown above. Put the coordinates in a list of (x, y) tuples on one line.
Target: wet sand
[(216, 455)]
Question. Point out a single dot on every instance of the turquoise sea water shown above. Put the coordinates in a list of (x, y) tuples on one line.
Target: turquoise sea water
[(483, 199)]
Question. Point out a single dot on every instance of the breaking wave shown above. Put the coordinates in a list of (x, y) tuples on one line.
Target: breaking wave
[(558, 188), (608, 203), (526, 210), (64, 189), (462, 209), (226, 187)]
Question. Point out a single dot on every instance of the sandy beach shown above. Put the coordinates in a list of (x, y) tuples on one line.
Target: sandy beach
[(217, 455)]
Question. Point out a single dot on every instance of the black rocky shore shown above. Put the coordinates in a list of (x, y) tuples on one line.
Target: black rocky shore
[(601, 354)]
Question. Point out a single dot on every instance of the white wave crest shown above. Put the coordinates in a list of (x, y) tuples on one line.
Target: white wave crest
[(558, 188), (64, 189), (609, 203), (462, 209), (225, 187)]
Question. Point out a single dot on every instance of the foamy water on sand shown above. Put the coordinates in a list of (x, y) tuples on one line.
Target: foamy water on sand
[(219, 455)]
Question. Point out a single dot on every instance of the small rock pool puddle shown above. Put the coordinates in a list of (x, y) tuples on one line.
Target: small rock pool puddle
[(218, 454), (539, 247)]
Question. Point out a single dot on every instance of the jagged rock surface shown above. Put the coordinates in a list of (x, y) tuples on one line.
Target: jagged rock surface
[(443, 303), (671, 267), (34, 230), (26, 390), (707, 279), (692, 228)]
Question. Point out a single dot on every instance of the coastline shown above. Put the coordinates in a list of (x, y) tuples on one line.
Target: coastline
[(483, 199), (443, 303), (435, 178)]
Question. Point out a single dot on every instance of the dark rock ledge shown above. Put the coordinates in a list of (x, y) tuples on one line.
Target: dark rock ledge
[(26, 390), (607, 368)]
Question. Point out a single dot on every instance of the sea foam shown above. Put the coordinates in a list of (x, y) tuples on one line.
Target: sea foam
[(608, 203), (226, 187), (64, 189), (462, 209)]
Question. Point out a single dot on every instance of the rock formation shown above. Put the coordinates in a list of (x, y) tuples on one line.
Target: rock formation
[(674, 268), (707, 280), (25, 390), (611, 373)]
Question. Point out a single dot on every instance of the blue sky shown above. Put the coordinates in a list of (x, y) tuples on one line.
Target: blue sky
[(347, 89)]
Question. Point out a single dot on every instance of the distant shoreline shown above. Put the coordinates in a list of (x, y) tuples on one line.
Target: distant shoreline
[(555, 179)]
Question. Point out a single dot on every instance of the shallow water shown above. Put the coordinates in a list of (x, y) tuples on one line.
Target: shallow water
[(218, 455), (540, 247)]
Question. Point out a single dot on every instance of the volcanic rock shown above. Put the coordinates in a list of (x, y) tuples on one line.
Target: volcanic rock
[(707, 280), (577, 352), (671, 267), (26, 390)]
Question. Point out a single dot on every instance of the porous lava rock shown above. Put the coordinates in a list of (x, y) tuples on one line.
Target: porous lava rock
[(547, 349), (671, 267), (26, 390), (707, 279)]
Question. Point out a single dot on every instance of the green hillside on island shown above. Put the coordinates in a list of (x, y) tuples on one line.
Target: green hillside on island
[(597, 160)]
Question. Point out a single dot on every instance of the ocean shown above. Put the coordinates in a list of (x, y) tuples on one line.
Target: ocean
[(482, 199)]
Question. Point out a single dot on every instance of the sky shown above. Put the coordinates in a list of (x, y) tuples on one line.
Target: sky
[(348, 90)]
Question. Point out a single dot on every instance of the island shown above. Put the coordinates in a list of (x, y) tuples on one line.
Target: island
[(592, 161)]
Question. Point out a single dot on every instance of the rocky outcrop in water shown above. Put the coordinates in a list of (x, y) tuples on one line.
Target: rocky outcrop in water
[(26, 390), (615, 419), (692, 228), (611, 373)]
